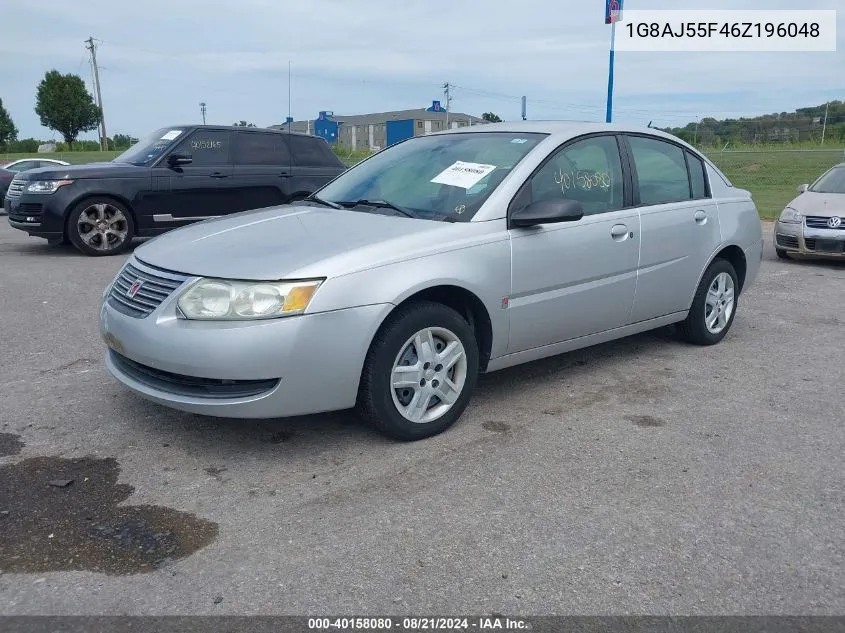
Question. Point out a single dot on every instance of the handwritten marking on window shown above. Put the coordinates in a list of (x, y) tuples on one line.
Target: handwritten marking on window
[(206, 144), (578, 179)]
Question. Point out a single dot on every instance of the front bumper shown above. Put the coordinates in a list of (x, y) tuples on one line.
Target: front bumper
[(262, 369), (804, 240), (40, 215)]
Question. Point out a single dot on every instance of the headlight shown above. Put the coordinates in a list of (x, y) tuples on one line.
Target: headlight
[(46, 186), (791, 216), (223, 300)]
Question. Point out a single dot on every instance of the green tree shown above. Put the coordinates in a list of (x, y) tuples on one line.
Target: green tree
[(8, 131), (23, 146), (65, 106), (243, 123), (121, 141), (492, 118)]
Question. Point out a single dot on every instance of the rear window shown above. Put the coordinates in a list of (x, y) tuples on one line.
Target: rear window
[(311, 151)]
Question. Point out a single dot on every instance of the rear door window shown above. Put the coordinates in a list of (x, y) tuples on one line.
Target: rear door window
[(661, 171), (311, 151), (255, 148)]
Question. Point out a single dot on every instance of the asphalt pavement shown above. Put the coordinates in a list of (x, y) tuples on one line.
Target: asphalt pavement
[(644, 476)]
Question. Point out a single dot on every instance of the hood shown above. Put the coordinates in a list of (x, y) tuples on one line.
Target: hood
[(821, 204), (297, 241), (90, 170)]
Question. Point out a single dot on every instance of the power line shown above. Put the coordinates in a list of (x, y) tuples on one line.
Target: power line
[(92, 47)]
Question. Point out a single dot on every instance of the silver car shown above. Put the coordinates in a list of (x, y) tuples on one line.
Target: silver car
[(438, 258), (814, 222)]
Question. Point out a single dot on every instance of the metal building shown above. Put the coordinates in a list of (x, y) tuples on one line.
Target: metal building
[(377, 131)]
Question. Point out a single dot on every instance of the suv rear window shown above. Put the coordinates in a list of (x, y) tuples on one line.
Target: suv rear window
[(311, 151)]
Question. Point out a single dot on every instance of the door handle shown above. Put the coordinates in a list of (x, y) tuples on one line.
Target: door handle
[(283, 174), (218, 174), (619, 232), (701, 217)]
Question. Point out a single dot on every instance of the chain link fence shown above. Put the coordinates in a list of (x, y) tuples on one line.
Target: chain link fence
[(774, 175)]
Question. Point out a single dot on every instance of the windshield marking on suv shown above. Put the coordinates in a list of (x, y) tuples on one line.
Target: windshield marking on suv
[(172, 134)]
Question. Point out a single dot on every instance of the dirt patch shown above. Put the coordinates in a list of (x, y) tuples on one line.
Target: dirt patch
[(10, 444), (81, 527), (645, 420), (495, 426)]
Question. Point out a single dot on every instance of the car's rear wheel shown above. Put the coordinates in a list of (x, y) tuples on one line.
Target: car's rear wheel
[(420, 372), (714, 305), (782, 254), (100, 226)]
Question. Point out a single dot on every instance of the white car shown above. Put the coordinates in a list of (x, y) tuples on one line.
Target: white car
[(25, 164)]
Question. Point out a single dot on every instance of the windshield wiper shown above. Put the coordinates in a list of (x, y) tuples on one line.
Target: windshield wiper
[(380, 204), (325, 203)]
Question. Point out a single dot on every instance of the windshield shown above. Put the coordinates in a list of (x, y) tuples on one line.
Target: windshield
[(437, 177), (148, 149), (832, 182)]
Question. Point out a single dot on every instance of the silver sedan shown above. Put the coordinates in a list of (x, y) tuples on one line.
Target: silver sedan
[(438, 258)]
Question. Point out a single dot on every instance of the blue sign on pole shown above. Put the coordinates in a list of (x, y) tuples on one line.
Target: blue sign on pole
[(612, 11)]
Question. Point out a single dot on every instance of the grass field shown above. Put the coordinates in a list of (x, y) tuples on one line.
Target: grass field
[(771, 175)]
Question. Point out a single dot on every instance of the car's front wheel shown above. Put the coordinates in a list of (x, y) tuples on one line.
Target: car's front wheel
[(714, 305), (419, 373), (100, 226)]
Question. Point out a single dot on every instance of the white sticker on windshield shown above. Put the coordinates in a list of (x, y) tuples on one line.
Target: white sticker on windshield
[(461, 174), (519, 140), (171, 135)]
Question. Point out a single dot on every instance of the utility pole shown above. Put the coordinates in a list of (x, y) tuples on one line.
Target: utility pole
[(202, 109), (92, 47), (824, 125), (446, 91)]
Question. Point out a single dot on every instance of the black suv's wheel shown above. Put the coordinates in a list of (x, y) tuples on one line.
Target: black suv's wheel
[(419, 373), (100, 226), (714, 305)]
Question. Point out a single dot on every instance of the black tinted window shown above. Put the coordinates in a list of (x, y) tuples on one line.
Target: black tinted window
[(661, 171), (251, 148), (311, 151), (696, 175), (206, 147), (588, 171)]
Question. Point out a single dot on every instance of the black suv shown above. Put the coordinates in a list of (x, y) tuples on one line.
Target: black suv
[(176, 176)]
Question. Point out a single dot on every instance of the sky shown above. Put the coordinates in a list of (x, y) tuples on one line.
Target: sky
[(160, 58)]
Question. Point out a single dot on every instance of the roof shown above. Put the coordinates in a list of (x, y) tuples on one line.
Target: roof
[(396, 115), (562, 128), (272, 128)]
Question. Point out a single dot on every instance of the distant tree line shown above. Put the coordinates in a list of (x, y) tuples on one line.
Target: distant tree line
[(801, 126)]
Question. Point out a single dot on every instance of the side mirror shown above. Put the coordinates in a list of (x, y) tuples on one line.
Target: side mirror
[(803, 188), (179, 159), (547, 212)]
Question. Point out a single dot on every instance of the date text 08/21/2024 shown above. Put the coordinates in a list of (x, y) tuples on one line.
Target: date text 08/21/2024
[(418, 623)]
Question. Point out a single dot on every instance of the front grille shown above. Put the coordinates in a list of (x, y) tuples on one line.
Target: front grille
[(15, 189), (787, 241), (156, 286), (194, 386), (29, 212), (819, 222)]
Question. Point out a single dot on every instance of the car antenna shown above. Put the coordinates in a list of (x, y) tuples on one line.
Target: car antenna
[(649, 124)]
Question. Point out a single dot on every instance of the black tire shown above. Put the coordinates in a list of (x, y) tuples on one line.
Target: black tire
[(694, 329), (375, 394), (782, 254), (73, 230)]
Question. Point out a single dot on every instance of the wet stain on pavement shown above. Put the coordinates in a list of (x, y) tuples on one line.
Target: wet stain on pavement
[(10, 444), (645, 420), (81, 527), (495, 426)]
